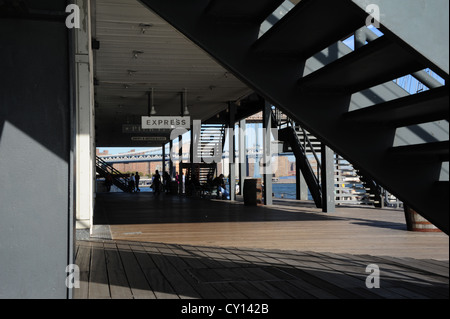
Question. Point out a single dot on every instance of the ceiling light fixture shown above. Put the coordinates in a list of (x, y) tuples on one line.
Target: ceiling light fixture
[(151, 107), (184, 107)]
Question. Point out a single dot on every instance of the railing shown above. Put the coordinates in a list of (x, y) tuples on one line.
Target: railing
[(104, 169), (351, 188), (282, 121)]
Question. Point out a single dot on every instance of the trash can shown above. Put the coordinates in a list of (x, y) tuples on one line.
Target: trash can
[(415, 222), (252, 191)]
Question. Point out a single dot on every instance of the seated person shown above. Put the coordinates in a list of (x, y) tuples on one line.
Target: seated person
[(220, 183)]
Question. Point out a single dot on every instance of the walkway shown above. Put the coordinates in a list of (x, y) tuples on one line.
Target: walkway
[(171, 247)]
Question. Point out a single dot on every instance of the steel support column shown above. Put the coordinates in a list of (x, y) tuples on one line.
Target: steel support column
[(242, 155), (163, 159), (85, 130), (267, 155), (301, 188), (328, 202), (231, 149), (170, 160), (180, 163)]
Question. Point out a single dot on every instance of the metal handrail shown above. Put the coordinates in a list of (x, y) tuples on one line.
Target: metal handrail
[(308, 141), (290, 122), (115, 174)]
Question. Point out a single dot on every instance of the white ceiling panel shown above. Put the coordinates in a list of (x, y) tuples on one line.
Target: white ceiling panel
[(139, 51)]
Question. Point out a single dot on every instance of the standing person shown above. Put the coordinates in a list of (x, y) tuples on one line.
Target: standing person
[(108, 182), (131, 183), (166, 182), (137, 177), (156, 182)]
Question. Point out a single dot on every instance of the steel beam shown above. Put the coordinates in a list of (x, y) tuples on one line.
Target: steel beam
[(232, 149), (328, 202), (267, 155), (242, 155), (301, 188)]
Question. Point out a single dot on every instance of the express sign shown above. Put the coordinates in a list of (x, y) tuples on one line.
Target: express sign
[(165, 122)]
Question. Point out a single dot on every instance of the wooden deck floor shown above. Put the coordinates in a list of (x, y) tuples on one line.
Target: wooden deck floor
[(126, 270), (177, 248)]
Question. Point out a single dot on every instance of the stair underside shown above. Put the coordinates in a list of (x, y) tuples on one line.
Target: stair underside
[(235, 46)]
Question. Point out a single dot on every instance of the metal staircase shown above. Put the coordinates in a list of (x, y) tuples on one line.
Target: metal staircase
[(103, 169), (301, 66), (289, 135), (208, 148)]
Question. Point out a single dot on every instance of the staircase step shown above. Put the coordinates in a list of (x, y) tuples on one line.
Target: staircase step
[(375, 63), (238, 11), (311, 26), (436, 152), (425, 107)]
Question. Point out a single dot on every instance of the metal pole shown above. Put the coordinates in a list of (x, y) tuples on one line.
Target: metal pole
[(267, 156), (242, 155), (232, 149), (328, 202), (300, 184), (170, 160), (163, 159), (180, 146)]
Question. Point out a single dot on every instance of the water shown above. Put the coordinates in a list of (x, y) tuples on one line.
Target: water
[(286, 191), (280, 190)]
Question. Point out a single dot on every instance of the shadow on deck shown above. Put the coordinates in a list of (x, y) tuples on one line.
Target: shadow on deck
[(124, 270)]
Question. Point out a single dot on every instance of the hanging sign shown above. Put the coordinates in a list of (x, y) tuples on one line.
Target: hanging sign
[(166, 122)]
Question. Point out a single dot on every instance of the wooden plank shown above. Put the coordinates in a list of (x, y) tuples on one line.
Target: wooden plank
[(217, 255), (83, 259), (156, 280), (139, 286), (286, 225), (118, 281), (355, 276), (399, 278), (251, 259), (423, 265), (176, 280), (270, 290), (98, 279), (204, 290), (292, 290), (205, 259), (228, 290), (250, 290), (312, 290), (323, 281), (280, 274)]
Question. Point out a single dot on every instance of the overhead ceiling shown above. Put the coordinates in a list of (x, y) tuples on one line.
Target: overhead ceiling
[(139, 51)]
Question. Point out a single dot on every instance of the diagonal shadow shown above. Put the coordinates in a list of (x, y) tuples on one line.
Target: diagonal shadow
[(165, 271)]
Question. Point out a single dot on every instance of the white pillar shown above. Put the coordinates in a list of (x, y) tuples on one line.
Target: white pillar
[(85, 135)]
